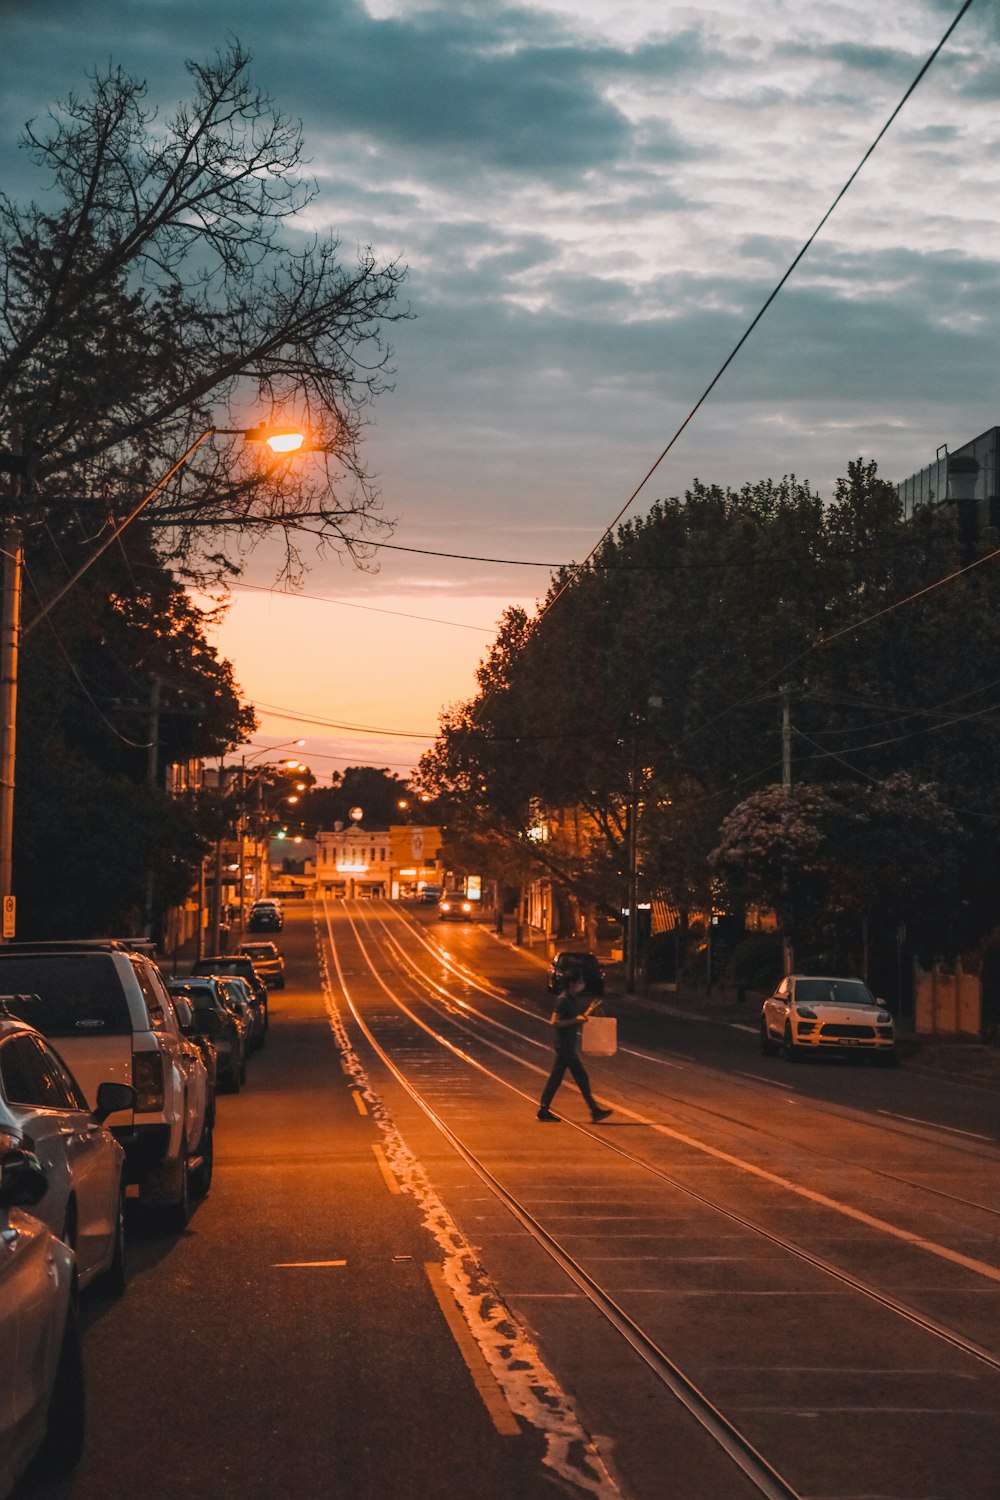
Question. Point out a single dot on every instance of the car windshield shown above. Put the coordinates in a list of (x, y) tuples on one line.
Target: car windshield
[(79, 994), (834, 992)]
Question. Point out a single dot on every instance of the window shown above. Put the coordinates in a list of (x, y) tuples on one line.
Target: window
[(31, 1078), (153, 1002)]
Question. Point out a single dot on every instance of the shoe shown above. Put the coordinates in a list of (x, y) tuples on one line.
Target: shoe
[(548, 1116), (597, 1115)]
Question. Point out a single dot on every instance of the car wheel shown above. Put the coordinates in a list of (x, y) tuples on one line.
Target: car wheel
[(768, 1047), (176, 1215), (62, 1446), (114, 1280), (792, 1052), (203, 1173)]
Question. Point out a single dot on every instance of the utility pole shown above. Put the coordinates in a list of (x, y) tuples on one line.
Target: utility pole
[(152, 772), (13, 463), (632, 842), (786, 782)]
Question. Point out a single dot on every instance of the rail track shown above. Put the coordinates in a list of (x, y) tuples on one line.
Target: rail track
[(419, 996)]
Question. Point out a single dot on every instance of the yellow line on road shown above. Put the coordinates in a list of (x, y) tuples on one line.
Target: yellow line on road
[(502, 1417), (359, 1102), (297, 1265), (386, 1170)]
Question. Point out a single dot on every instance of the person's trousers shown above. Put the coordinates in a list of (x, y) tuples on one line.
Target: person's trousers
[(570, 1061)]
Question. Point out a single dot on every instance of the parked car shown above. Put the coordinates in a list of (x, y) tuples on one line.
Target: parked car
[(240, 965), (239, 988), (430, 895), (43, 1107), (573, 964), (200, 1030), (266, 916), (42, 1410), (267, 962), (818, 1013), (109, 1014), (455, 908), (238, 1006), (206, 995)]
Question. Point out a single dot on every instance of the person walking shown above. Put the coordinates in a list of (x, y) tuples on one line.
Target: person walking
[(568, 1020)]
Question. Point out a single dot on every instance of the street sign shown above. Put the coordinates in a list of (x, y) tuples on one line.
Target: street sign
[(9, 910)]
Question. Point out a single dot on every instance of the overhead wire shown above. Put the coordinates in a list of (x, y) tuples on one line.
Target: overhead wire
[(730, 357)]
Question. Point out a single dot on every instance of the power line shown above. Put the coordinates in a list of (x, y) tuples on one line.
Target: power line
[(286, 713), (761, 311), (259, 588)]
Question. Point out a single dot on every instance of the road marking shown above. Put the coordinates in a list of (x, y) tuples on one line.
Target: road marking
[(774, 1082), (388, 1175), (933, 1125), (502, 1417), (300, 1265), (358, 1102)]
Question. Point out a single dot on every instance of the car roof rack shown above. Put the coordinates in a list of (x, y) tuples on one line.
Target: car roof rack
[(68, 945), (6, 1001)]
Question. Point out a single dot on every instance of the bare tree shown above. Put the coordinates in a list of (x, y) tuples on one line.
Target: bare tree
[(163, 287)]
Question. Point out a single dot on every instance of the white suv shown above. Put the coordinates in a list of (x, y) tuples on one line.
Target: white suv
[(108, 1011)]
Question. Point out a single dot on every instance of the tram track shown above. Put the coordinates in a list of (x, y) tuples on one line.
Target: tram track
[(380, 948), (755, 1088), (913, 1316), (660, 1095)]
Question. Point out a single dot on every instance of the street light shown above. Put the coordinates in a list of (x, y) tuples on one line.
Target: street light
[(245, 760), (280, 439)]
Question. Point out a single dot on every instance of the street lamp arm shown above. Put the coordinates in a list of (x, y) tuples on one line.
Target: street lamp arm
[(108, 541)]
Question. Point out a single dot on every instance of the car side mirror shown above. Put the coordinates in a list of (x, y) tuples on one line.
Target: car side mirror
[(207, 1022), (23, 1183), (112, 1097)]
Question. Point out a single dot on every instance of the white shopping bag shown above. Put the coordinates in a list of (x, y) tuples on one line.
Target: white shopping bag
[(600, 1036)]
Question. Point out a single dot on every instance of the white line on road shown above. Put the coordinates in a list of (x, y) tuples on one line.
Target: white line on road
[(299, 1265), (774, 1082), (933, 1125)]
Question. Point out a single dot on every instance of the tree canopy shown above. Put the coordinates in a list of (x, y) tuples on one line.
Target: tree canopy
[(666, 657)]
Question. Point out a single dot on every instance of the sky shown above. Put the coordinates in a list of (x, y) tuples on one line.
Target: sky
[(593, 198)]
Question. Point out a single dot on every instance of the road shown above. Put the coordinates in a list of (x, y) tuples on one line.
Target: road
[(754, 1278)]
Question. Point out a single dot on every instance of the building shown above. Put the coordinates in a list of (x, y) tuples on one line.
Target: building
[(388, 863), (965, 477)]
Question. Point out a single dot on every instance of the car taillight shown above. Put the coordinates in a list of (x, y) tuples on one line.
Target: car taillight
[(147, 1080)]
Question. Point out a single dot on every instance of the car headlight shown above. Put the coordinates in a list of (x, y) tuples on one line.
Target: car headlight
[(883, 1018), (804, 1013)]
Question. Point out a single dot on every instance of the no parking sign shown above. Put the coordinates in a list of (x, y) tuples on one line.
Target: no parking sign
[(9, 909)]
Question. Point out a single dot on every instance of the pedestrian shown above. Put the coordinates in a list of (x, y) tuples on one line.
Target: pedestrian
[(568, 1020)]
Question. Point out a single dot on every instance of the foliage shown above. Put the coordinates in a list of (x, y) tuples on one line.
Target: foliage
[(758, 962), (156, 293), (660, 666)]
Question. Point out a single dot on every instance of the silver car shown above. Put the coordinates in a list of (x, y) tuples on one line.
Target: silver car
[(42, 1107), (41, 1373)]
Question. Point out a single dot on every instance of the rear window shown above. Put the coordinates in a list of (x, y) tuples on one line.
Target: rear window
[(241, 966), (79, 994)]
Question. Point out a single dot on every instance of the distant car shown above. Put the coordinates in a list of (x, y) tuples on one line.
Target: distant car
[(816, 1013), (41, 1372), (573, 964), (43, 1108), (430, 895), (235, 963), (455, 909), (268, 962), (266, 916)]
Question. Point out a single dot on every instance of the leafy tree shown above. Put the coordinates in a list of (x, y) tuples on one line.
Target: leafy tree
[(713, 608), (155, 288)]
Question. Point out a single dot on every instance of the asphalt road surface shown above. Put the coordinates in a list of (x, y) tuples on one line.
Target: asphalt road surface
[(753, 1278)]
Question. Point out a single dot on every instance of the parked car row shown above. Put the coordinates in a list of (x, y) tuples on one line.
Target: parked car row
[(108, 1075)]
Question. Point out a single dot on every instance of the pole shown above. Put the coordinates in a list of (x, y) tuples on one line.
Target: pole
[(786, 782), (152, 771), (632, 899), (241, 836), (10, 631)]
